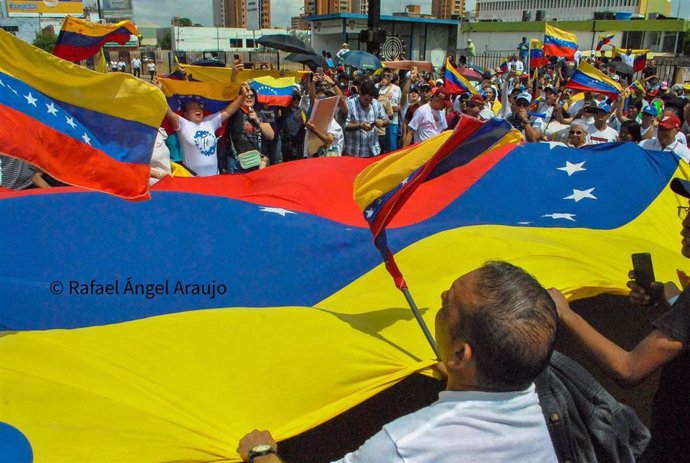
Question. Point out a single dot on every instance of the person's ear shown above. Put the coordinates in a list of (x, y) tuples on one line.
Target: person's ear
[(461, 354)]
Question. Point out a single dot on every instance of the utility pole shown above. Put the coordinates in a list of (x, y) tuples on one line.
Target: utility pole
[(374, 35)]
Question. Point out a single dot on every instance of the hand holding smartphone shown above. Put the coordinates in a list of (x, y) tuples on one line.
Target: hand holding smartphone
[(644, 277)]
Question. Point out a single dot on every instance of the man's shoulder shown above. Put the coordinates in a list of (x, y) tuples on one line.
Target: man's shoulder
[(650, 144)]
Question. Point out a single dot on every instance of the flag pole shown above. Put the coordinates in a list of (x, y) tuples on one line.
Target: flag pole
[(421, 322)]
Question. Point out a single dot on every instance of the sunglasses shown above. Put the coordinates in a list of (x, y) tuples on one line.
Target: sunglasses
[(576, 132)]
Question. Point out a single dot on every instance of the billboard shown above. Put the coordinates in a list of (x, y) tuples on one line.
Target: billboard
[(58, 8), (117, 9)]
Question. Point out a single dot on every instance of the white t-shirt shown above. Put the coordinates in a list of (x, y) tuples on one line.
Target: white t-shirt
[(628, 59), (676, 147), (199, 144), (607, 135), (427, 122), (465, 426)]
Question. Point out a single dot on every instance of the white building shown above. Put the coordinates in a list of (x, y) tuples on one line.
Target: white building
[(565, 10)]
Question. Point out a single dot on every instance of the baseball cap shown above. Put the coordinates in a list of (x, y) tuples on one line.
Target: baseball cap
[(681, 187), (550, 88), (477, 98), (670, 121), (664, 85), (677, 87), (524, 96), (603, 106), (345, 45), (439, 81), (425, 84), (649, 110), (616, 77), (442, 93)]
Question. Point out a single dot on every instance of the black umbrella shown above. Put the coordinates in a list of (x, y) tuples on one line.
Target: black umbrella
[(311, 61), (285, 42)]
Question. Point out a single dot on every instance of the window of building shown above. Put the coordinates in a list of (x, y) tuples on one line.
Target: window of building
[(10, 28), (235, 43), (249, 43)]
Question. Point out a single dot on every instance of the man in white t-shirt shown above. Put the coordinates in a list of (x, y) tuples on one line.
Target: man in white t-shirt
[(197, 134), (136, 67), (628, 58), (665, 139), (495, 333), (600, 132), (430, 119)]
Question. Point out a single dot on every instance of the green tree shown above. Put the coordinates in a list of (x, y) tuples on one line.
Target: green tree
[(166, 42), (45, 40), (181, 22)]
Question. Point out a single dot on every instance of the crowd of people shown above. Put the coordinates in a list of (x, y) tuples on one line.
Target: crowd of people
[(383, 110)]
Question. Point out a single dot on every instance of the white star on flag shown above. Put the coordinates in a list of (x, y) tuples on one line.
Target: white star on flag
[(86, 139), (51, 109), (405, 180), (2, 83), (560, 215), (571, 168), (581, 194), (30, 99), (13, 90), (369, 213), (276, 210), (70, 122)]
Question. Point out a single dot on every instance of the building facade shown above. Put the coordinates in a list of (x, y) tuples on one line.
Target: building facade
[(321, 7), (423, 39), (566, 10), (230, 13), (258, 14), (447, 9), (658, 36)]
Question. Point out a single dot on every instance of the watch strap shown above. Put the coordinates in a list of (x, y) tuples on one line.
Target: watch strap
[(255, 454)]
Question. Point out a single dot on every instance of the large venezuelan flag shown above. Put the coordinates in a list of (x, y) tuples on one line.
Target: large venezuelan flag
[(80, 39), (587, 78), (303, 323), (382, 189), (455, 81), (82, 127), (558, 42)]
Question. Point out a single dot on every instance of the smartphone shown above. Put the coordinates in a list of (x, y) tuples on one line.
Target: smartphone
[(236, 57), (319, 71), (644, 275)]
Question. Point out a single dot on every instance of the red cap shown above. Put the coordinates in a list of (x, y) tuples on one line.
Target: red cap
[(670, 121), (477, 98), (442, 93)]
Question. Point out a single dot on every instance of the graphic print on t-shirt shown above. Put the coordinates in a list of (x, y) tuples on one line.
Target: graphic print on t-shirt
[(206, 142)]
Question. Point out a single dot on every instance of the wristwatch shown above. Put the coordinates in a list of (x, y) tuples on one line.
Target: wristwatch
[(259, 451)]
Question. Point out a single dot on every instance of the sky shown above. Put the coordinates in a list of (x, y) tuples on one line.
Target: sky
[(159, 12)]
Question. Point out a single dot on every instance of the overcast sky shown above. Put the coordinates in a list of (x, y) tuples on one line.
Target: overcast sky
[(159, 12)]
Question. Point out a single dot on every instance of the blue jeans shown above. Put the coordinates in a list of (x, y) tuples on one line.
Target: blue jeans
[(392, 134)]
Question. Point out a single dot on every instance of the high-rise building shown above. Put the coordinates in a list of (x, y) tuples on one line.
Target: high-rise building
[(319, 7), (445, 9), (568, 10), (360, 6), (230, 13), (298, 22), (258, 14)]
